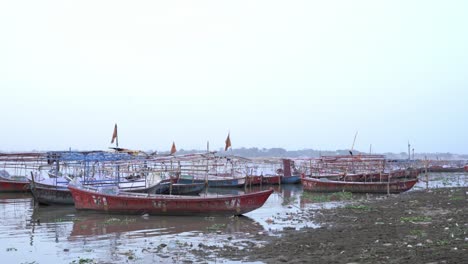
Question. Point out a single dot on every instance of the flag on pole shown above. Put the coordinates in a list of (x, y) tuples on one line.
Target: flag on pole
[(228, 142), (114, 135), (173, 148)]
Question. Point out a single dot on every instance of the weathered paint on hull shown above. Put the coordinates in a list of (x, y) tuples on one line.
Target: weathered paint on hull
[(442, 169), (253, 180), (185, 189), (156, 189), (291, 179), (13, 186), (271, 179), (51, 195), (373, 177), (316, 185), (215, 183), (127, 203)]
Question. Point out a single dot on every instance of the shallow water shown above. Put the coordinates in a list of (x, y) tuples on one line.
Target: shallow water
[(60, 234)]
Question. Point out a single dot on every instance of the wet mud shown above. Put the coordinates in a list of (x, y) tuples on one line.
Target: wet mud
[(414, 227)]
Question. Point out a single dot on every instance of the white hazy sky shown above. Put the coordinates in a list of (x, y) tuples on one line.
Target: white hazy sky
[(290, 74)]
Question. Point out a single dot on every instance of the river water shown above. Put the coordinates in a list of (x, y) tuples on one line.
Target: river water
[(60, 234)]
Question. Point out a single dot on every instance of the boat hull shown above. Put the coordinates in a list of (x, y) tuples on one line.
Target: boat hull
[(253, 180), (317, 185), (215, 182), (14, 186), (131, 203), (291, 179), (185, 189), (52, 195), (271, 179)]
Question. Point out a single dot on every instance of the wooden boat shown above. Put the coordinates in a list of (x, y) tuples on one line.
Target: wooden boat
[(253, 180), (51, 194), (437, 168), (184, 189), (55, 192), (271, 179), (290, 174), (370, 177), (324, 185), (291, 179), (158, 188), (14, 185), (113, 201), (215, 182)]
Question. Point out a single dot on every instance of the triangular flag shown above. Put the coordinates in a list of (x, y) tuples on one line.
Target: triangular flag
[(173, 149), (114, 135), (228, 142)]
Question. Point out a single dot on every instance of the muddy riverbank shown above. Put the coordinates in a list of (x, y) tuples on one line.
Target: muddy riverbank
[(292, 226), (414, 227)]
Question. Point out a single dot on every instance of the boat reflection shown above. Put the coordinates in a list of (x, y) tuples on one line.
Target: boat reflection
[(13, 195), (99, 226)]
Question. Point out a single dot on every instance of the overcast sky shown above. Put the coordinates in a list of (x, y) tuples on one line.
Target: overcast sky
[(290, 74)]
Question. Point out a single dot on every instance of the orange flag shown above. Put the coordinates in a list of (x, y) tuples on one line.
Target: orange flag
[(228, 142), (114, 135), (173, 149)]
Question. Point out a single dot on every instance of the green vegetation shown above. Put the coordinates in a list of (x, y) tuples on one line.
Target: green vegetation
[(83, 261), (216, 227), (458, 196), (287, 201), (418, 233), (321, 198), (442, 242), (113, 221)]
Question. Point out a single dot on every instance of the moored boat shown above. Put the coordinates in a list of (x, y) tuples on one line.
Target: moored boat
[(275, 179), (13, 185), (253, 180), (293, 179), (184, 189), (51, 194), (114, 201), (290, 173), (325, 185), (214, 182)]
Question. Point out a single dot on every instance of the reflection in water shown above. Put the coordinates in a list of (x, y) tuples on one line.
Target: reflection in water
[(100, 225), (50, 234), (441, 180)]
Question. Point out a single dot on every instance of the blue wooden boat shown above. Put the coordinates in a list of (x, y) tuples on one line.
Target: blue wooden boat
[(294, 179), (290, 175)]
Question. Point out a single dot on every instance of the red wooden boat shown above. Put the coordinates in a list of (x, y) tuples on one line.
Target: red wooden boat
[(323, 185), (253, 180), (271, 179), (371, 177), (14, 185), (113, 201)]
